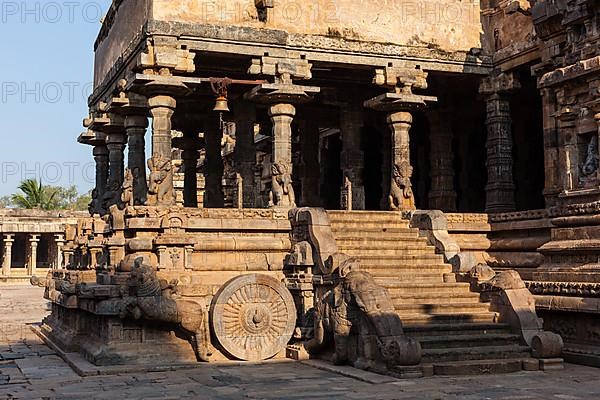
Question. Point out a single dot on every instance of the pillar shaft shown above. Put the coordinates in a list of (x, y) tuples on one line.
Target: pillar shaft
[(136, 146), (102, 169), (190, 177), (7, 259), (160, 189), (245, 151), (213, 163), (282, 192), (401, 194), (500, 189), (352, 157), (60, 243), (32, 262), (310, 163), (115, 143), (442, 195)]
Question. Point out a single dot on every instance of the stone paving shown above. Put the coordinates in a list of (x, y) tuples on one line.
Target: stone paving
[(30, 370)]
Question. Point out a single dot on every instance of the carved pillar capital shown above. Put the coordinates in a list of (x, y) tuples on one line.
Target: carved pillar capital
[(499, 84)]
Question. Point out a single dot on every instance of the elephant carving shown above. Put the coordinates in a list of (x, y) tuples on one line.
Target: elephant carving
[(357, 316), (156, 300)]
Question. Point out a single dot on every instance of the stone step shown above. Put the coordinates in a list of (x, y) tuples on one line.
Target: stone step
[(427, 298), (468, 340), (417, 277), (390, 271), (374, 226), (366, 231), (399, 259), (476, 367), (410, 320), (460, 328), (382, 242), (397, 289), (438, 308), (391, 248), (336, 216), (475, 353)]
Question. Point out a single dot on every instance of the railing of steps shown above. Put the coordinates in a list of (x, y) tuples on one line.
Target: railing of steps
[(505, 291), (352, 316)]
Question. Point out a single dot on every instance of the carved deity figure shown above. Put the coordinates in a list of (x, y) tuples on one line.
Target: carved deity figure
[(160, 190), (590, 167), (401, 193), (127, 190), (282, 191)]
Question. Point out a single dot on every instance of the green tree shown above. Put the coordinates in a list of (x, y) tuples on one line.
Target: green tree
[(35, 196)]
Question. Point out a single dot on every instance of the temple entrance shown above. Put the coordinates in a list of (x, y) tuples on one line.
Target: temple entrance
[(374, 138), (43, 251), (330, 148), (528, 142), (19, 250)]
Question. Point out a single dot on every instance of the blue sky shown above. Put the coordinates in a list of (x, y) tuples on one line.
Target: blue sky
[(46, 69)]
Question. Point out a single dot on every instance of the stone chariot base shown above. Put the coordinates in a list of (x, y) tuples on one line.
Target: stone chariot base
[(108, 340)]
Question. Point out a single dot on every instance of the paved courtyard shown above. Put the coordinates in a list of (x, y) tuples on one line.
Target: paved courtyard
[(30, 370)]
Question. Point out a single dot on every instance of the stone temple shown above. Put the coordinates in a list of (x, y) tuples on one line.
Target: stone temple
[(297, 150)]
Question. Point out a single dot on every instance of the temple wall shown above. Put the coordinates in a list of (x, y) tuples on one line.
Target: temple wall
[(118, 32), (449, 25)]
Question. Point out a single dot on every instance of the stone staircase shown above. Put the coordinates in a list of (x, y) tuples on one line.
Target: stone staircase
[(456, 330)]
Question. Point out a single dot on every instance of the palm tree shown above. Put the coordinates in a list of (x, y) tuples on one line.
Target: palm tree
[(34, 195)]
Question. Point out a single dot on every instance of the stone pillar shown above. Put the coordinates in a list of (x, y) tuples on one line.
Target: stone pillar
[(7, 259), (213, 163), (115, 143), (352, 157), (399, 102), (190, 156), (160, 190), (282, 192), (309, 137), (32, 261), (553, 185), (500, 189), (59, 240), (401, 194), (102, 168), (597, 152), (442, 195), (245, 151), (136, 131)]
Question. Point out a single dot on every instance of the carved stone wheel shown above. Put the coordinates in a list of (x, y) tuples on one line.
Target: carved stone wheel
[(253, 317)]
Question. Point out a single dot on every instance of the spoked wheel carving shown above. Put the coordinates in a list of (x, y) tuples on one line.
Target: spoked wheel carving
[(253, 317)]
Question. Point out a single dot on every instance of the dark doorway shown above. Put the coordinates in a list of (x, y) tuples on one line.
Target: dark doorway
[(331, 172), (528, 144)]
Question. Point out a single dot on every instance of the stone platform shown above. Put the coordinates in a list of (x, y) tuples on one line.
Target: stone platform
[(30, 370)]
